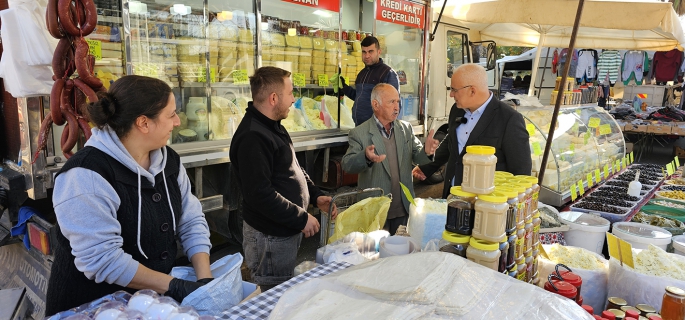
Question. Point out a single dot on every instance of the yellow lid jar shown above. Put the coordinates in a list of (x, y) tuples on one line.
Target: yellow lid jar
[(483, 253), (491, 217), (479, 169)]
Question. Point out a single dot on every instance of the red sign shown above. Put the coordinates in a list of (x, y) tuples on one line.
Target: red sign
[(400, 12), (330, 5)]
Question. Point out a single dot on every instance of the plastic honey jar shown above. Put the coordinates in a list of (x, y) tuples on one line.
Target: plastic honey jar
[(503, 174), (479, 169), (520, 242), (460, 211), (537, 221), (490, 220), (454, 243), (484, 253), (529, 235), (535, 189), (512, 201), (529, 195), (520, 211), (504, 255)]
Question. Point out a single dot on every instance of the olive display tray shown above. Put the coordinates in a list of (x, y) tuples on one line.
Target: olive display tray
[(612, 217)]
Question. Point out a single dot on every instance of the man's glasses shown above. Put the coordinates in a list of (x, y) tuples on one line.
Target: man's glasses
[(456, 90)]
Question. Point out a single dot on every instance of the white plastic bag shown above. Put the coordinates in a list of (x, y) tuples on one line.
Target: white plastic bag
[(594, 289), (432, 245), (20, 38), (636, 287), (427, 219), (224, 292)]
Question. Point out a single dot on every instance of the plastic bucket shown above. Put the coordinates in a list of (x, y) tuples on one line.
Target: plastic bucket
[(679, 245), (586, 230), (641, 235)]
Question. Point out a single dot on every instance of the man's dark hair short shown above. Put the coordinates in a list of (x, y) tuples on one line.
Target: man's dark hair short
[(265, 81), (368, 41)]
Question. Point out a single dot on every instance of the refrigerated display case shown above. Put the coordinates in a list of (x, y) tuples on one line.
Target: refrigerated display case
[(586, 139)]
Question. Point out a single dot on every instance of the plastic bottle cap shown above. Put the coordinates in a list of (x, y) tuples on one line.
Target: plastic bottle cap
[(562, 288), (457, 191), (536, 214), (484, 150), (529, 221), (588, 308), (509, 192), (629, 318), (516, 186), (483, 245), (608, 314), (455, 237), (532, 179), (654, 318), (503, 174), (645, 308), (632, 314), (500, 181), (571, 278), (675, 290), (495, 197)]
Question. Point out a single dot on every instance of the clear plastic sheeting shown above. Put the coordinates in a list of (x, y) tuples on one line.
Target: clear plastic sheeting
[(426, 285)]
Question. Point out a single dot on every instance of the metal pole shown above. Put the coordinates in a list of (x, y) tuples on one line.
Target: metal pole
[(544, 70), (536, 64), (562, 83)]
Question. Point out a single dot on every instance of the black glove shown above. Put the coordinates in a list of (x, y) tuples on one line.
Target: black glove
[(342, 81), (205, 280), (179, 289)]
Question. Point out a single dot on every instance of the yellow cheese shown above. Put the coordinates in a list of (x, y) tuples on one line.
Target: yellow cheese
[(278, 57), (331, 62), (291, 58), (229, 33), (267, 56), (320, 61), (227, 45), (305, 59), (356, 46), (305, 68), (114, 46), (277, 39), (331, 45), (291, 50), (331, 55), (318, 68), (245, 35), (292, 41), (318, 44), (111, 53), (246, 47), (318, 54), (356, 53), (331, 69), (306, 42)]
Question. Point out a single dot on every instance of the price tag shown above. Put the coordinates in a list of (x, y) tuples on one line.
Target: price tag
[(589, 180), (581, 189), (623, 163), (605, 129), (531, 129), (573, 192), (240, 77), (578, 111), (299, 79), (586, 137), (323, 80), (537, 150), (669, 169), (606, 171), (598, 176), (572, 147), (677, 161), (203, 74), (594, 122), (631, 157), (95, 48), (620, 250)]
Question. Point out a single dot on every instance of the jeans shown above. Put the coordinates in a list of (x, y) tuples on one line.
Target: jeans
[(271, 259)]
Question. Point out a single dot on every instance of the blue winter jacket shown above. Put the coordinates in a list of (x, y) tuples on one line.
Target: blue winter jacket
[(368, 78)]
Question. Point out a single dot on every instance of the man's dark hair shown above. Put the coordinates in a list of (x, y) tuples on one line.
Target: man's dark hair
[(265, 81), (368, 41)]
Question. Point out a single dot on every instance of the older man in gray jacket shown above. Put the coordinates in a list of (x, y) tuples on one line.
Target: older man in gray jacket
[(383, 150)]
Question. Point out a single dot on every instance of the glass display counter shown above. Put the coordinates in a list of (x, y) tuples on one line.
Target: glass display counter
[(586, 139)]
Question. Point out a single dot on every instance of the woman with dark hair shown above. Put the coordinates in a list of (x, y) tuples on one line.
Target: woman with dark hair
[(122, 200)]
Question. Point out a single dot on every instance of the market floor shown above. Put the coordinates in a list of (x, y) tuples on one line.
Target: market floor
[(661, 153)]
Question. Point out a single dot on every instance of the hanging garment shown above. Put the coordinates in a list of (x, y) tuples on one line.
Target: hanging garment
[(555, 61), (665, 65), (587, 65), (563, 57), (634, 63), (608, 65)]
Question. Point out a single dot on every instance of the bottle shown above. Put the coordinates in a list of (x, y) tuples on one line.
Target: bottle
[(635, 186), (454, 243), (460, 211), (491, 217), (673, 304), (479, 170)]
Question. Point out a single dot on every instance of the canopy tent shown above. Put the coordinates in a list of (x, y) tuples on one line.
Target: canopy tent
[(605, 24)]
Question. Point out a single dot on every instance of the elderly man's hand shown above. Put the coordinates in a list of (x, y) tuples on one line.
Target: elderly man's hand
[(324, 204), (431, 144), (372, 156), (418, 174)]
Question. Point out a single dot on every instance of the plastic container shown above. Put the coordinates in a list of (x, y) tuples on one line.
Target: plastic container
[(513, 271), (585, 230), (504, 255), (529, 195), (537, 221), (645, 309), (673, 304), (521, 270), (512, 201), (521, 210), (479, 169), (573, 279), (561, 288), (588, 309), (618, 314), (529, 266), (606, 314), (460, 211), (640, 235), (535, 191), (511, 255), (503, 174), (520, 242), (631, 312), (616, 303), (679, 245), (528, 242), (490, 221), (536, 255), (484, 253), (454, 243)]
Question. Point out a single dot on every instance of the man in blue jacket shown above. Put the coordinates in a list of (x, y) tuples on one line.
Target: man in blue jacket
[(374, 73)]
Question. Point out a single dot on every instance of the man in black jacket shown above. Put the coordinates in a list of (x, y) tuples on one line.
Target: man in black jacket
[(478, 118), (276, 190)]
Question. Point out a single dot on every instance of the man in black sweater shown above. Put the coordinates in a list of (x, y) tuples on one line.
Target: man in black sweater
[(276, 190)]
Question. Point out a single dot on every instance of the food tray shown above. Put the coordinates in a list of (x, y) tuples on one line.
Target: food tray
[(671, 213), (671, 188), (658, 195), (654, 202), (608, 188), (612, 217), (670, 182)]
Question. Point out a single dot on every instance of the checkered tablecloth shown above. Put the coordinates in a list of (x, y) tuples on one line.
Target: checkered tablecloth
[(261, 306)]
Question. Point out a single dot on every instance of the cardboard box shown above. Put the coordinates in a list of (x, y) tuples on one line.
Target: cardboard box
[(629, 127), (629, 147), (678, 151), (678, 128), (663, 128)]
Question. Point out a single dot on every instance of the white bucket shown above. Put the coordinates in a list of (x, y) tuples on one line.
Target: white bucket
[(641, 235), (679, 245), (586, 230)]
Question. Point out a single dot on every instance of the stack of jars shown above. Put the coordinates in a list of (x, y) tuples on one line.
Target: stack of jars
[(476, 214)]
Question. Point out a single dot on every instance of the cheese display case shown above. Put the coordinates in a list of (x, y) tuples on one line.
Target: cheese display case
[(587, 141)]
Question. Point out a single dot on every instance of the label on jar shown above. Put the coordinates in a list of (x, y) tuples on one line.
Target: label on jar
[(519, 247), (521, 275)]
